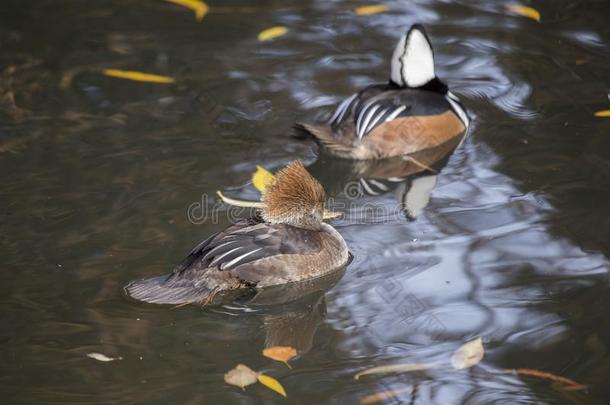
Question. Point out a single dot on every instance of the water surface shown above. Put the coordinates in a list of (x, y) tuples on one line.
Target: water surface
[(104, 181)]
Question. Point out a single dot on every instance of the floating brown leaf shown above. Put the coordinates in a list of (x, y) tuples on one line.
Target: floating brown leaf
[(241, 376), (272, 383), (280, 353), (382, 396), (469, 354), (395, 368), (569, 384)]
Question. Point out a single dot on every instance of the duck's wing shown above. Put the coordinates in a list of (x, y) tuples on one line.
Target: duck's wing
[(208, 267), (247, 243)]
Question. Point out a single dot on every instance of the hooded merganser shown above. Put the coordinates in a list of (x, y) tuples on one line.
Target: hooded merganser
[(287, 243), (413, 112)]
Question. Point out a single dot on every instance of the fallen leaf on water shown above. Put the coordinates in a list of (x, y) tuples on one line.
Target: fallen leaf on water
[(198, 6), (280, 353), (568, 383), (603, 114), (261, 178), (524, 11), (395, 368), (241, 376), (382, 396), (372, 9), (271, 33), (138, 76), (470, 354), (102, 357), (272, 383)]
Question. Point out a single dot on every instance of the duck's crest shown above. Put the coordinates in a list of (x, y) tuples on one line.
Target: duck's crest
[(413, 59), (293, 197)]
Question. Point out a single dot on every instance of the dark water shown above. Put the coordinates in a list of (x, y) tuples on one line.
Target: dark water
[(99, 176)]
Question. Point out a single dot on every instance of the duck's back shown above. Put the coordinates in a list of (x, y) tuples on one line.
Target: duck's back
[(249, 254), (385, 121)]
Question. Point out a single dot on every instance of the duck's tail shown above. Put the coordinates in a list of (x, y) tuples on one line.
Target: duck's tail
[(168, 290), (324, 137)]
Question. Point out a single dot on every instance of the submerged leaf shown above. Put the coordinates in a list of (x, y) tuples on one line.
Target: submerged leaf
[(241, 376), (468, 355), (383, 395), (524, 11), (102, 357), (198, 6), (372, 9), (138, 76), (272, 384), (395, 368), (603, 113), (262, 178), (280, 353), (271, 33)]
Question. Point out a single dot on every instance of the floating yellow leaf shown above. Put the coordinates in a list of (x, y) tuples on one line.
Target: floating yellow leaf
[(271, 33), (241, 376), (280, 353), (272, 383), (468, 355), (383, 395), (198, 6), (373, 9), (261, 178), (524, 11), (603, 113), (138, 76), (395, 368)]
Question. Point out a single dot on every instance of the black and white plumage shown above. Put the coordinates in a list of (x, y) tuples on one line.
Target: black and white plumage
[(413, 111)]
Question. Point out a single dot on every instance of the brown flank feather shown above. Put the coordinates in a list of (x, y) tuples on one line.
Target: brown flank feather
[(292, 195)]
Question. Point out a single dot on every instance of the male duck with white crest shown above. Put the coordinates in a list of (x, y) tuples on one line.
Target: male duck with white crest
[(413, 111), (287, 243)]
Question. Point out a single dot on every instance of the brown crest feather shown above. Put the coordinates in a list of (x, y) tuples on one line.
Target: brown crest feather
[(293, 197)]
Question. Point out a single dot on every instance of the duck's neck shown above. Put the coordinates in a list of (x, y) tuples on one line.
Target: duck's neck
[(435, 85)]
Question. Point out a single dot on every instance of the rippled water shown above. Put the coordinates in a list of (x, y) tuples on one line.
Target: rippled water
[(99, 176)]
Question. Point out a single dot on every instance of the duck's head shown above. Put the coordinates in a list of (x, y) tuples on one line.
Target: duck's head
[(295, 198), (413, 60)]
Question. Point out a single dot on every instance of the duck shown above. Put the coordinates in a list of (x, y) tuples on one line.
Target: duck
[(413, 111), (286, 242)]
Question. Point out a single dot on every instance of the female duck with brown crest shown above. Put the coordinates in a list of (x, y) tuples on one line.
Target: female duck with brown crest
[(413, 112), (289, 243)]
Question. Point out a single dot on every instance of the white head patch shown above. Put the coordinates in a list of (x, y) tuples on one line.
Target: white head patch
[(413, 60)]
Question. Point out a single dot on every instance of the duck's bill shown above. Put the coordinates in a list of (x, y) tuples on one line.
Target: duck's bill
[(257, 204), (331, 214)]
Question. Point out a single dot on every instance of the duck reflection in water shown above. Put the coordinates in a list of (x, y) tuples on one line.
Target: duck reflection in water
[(411, 178), (291, 314)]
